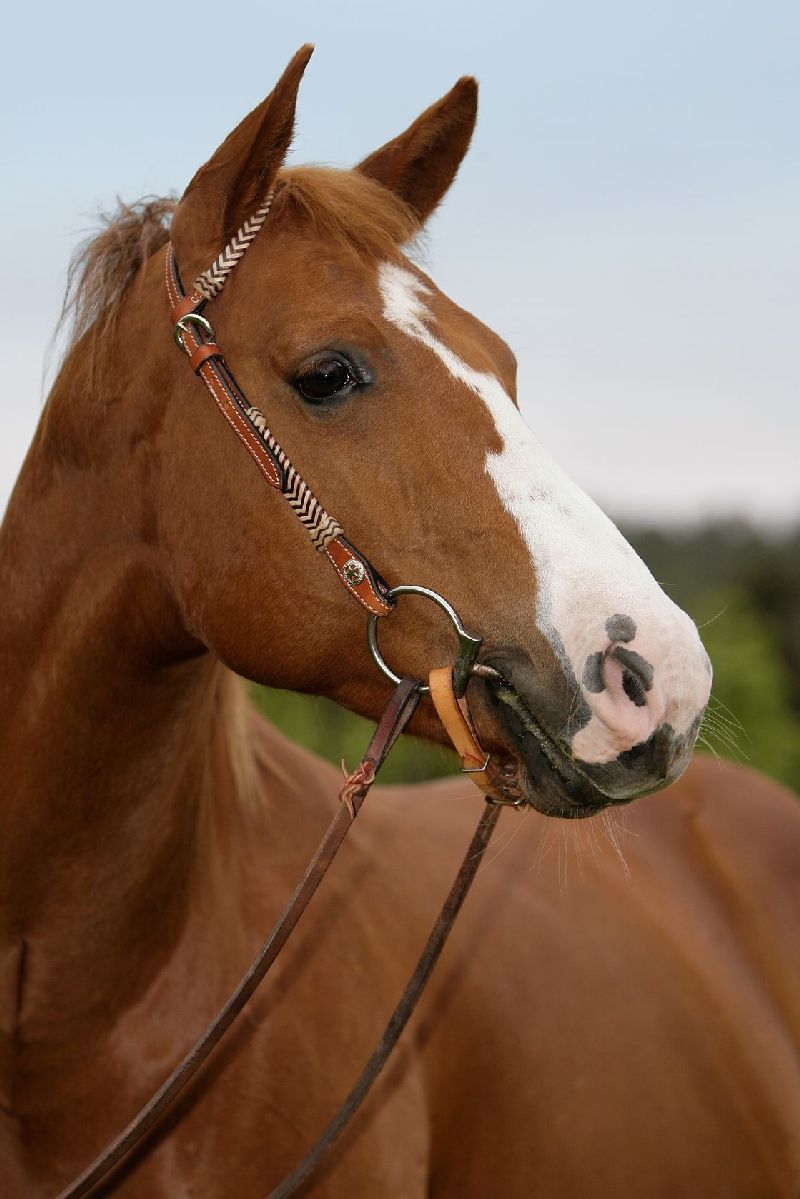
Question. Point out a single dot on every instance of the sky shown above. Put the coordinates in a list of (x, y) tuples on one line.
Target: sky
[(627, 217)]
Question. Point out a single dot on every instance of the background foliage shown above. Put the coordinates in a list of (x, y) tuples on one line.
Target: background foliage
[(742, 586)]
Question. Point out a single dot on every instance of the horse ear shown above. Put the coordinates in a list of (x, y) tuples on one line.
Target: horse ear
[(421, 163), (238, 176)]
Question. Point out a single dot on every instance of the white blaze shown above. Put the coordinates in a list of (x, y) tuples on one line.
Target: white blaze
[(586, 570)]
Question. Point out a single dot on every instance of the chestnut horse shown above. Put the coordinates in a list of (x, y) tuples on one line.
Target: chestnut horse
[(623, 1031)]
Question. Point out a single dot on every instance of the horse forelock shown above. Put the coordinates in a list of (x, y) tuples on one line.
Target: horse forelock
[(340, 206), (347, 208)]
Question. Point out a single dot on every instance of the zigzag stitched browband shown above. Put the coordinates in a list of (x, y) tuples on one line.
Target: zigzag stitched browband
[(194, 335)]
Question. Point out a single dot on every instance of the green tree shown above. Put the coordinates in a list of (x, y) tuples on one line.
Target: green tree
[(750, 716)]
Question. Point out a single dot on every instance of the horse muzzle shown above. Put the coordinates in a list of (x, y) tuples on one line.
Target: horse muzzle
[(538, 719)]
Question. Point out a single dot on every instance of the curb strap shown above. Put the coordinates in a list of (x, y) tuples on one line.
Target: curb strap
[(499, 786), (194, 335), (396, 716)]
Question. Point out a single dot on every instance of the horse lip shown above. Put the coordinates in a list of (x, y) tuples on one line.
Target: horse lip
[(556, 786)]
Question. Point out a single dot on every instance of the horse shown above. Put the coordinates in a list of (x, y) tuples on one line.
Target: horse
[(604, 1021)]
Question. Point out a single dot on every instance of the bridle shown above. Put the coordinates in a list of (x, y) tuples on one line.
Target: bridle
[(447, 687), (194, 335)]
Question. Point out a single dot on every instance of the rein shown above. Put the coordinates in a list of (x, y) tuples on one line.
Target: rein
[(499, 790), (447, 686)]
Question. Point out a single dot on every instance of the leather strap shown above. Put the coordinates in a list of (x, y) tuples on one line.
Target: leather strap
[(396, 716), (475, 761), (185, 306), (398, 712), (354, 570), (209, 350), (400, 1016)]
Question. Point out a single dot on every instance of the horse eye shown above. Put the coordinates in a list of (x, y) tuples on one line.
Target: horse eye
[(324, 378)]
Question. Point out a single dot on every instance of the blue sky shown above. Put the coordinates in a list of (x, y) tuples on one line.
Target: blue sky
[(627, 217)]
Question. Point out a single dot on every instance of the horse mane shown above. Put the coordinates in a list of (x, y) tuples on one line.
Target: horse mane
[(103, 266), (350, 209)]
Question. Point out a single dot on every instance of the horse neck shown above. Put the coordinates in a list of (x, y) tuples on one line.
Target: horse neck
[(119, 736)]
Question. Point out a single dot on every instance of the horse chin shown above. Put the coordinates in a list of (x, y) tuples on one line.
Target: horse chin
[(549, 780)]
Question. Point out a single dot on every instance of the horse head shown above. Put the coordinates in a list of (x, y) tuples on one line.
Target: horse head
[(401, 410)]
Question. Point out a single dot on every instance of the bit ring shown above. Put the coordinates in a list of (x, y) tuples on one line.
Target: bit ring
[(469, 646)]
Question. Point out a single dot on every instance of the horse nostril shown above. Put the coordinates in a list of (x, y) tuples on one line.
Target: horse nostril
[(637, 674), (633, 688), (593, 673)]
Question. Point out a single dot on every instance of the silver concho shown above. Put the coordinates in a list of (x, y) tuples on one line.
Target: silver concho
[(353, 572)]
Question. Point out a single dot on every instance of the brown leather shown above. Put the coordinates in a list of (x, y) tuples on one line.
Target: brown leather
[(184, 305), (208, 349), (457, 721), (475, 761), (209, 372), (405, 1007), (396, 715), (340, 552), (370, 589)]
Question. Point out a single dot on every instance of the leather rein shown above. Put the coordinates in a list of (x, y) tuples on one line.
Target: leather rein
[(447, 687)]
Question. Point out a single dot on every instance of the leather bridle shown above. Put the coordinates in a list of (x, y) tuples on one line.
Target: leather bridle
[(194, 335)]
